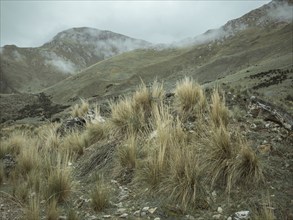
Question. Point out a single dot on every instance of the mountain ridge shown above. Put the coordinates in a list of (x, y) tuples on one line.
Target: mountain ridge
[(32, 69), (247, 49)]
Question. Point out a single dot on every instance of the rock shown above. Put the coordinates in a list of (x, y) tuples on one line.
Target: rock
[(157, 218), (152, 210), (72, 124), (242, 215), (9, 163), (218, 216), (143, 214), (253, 126), (62, 217), (118, 205), (220, 210), (137, 213), (124, 215), (145, 209), (229, 218), (107, 216), (214, 194), (120, 211)]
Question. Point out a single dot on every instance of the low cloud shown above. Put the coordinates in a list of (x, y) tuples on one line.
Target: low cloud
[(282, 12), (17, 56), (59, 63)]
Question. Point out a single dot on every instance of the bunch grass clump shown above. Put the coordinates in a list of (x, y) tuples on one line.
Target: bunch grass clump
[(219, 113), (59, 184), (52, 210), (100, 195), (33, 210), (134, 114), (14, 144), (190, 100), (80, 110)]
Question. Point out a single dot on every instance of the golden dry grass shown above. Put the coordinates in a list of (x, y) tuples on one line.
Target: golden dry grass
[(219, 113), (52, 210), (80, 110), (59, 183), (32, 211), (100, 195), (127, 153), (190, 100), (180, 155)]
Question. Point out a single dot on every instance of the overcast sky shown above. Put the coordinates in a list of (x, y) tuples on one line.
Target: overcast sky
[(32, 23)]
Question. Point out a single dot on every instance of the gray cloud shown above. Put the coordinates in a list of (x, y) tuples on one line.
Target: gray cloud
[(61, 64), (32, 23)]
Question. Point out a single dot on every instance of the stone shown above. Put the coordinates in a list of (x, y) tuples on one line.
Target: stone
[(107, 216), (120, 211), (220, 210), (145, 209), (72, 124), (218, 216), (62, 217), (124, 215), (136, 213), (143, 214), (229, 218), (157, 218), (214, 194), (152, 210), (242, 215)]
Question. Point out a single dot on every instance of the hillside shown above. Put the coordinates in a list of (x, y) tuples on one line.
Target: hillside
[(32, 69), (155, 150), (262, 43)]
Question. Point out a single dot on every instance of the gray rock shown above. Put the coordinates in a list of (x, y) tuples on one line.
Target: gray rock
[(136, 213), (124, 215), (218, 216), (120, 211)]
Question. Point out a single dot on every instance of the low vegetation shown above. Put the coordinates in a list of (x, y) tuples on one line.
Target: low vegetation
[(182, 150)]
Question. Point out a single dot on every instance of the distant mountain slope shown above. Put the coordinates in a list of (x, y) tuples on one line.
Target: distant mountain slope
[(32, 69), (267, 46)]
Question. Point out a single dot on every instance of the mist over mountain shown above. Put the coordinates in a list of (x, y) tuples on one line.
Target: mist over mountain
[(257, 41), (32, 69), (271, 15)]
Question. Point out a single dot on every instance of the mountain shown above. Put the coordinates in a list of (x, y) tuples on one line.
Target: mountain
[(258, 41), (32, 69)]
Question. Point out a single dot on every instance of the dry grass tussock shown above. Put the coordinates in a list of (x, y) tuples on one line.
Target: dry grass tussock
[(229, 161), (176, 159), (266, 211), (134, 114), (32, 211), (59, 183), (52, 210), (28, 159), (100, 195), (180, 155), (14, 144), (219, 112), (80, 110), (190, 101)]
